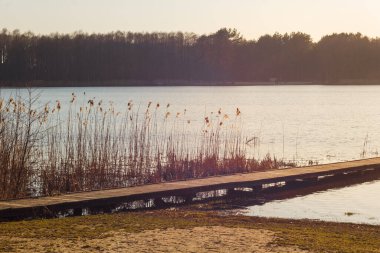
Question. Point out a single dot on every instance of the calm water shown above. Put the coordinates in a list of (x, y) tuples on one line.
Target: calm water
[(354, 204), (319, 123)]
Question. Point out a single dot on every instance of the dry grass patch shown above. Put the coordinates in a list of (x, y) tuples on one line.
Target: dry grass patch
[(107, 231)]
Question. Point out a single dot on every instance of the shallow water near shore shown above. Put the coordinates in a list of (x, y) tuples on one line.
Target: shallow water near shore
[(354, 204)]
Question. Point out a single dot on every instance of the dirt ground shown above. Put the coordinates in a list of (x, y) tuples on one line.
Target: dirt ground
[(197, 239), (185, 230)]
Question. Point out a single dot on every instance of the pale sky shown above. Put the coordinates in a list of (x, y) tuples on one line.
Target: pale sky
[(252, 18)]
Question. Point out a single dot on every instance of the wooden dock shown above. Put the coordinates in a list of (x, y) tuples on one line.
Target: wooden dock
[(28, 207)]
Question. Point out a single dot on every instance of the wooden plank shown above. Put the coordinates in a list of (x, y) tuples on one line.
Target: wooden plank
[(193, 184)]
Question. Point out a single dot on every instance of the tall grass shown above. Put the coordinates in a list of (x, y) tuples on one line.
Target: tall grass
[(93, 146), (21, 126)]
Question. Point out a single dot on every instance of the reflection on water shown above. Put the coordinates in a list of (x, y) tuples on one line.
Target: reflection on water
[(355, 204)]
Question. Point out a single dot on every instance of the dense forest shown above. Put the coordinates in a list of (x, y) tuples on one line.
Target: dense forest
[(223, 56)]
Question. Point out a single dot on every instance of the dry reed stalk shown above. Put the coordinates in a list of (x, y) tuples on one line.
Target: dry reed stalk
[(92, 146)]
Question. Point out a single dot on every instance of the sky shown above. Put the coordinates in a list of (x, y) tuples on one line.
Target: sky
[(252, 18)]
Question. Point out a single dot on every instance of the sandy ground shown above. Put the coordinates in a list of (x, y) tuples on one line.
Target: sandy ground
[(198, 239)]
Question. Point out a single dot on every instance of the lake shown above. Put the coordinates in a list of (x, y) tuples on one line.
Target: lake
[(319, 123)]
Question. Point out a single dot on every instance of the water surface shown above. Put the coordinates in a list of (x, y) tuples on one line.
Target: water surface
[(354, 204), (319, 123)]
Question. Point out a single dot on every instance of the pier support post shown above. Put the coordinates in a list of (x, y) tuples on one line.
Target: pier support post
[(158, 202), (311, 181), (77, 212), (232, 192), (189, 198)]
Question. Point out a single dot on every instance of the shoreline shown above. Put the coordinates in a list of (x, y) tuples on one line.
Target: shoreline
[(171, 230)]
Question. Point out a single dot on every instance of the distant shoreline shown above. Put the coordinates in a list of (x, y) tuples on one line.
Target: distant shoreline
[(171, 83)]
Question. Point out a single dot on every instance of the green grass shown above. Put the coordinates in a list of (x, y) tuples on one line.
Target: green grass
[(309, 235)]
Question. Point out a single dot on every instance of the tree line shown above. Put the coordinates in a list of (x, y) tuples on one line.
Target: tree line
[(223, 56)]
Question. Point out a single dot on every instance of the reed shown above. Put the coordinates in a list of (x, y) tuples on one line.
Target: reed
[(45, 151)]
